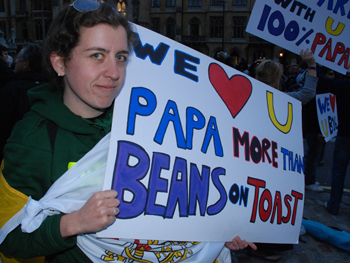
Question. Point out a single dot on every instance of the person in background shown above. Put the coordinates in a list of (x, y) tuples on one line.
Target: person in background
[(14, 102), (341, 153), (5, 71), (243, 66), (252, 67), (290, 82), (222, 57), (4, 52), (270, 72), (86, 52), (314, 140), (9, 61)]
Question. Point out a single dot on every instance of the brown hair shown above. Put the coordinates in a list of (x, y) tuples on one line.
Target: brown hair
[(64, 33)]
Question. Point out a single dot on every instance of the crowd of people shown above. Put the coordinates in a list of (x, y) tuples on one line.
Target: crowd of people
[(71, 103)]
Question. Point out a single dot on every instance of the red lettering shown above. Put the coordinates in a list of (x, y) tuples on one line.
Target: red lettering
[(274, 154), (273, 206), (254, 150), (287, 199), (345, 58), (320, 39), (298, 196), (339, 49), (257, 183), (278, 206), (265, 214), (328, 48)]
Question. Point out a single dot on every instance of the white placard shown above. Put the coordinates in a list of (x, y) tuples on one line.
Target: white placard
[(327, 114), (202, 152), (322, 26)]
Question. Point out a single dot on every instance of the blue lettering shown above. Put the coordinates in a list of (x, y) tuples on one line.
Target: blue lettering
[(199, 189), (156, 56), (284, 4), (295, 162), (194, 120), (220, 204), (181, 65), (212, 131), (276, 31), (127, 178), (135, 108), (285, 153), (171, 114), (235, 195), (178, 189), (340, 5), (157, 184), (324, 107)]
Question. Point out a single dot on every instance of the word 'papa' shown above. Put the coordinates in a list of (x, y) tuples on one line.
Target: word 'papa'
[(195, 120), (185, 189)]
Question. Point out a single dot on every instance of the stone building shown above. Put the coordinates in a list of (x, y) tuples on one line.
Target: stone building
[(208, 26)]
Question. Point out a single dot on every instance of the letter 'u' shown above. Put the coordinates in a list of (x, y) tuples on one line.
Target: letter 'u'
[(285, 128)]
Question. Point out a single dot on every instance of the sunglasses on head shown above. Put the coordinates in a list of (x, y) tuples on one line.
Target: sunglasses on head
[(86, 5)]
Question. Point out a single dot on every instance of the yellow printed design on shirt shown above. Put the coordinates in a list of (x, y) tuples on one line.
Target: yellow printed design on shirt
[(153, 251)]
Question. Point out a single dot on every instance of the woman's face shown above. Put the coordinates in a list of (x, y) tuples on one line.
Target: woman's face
[(4, 55), (96, 70)]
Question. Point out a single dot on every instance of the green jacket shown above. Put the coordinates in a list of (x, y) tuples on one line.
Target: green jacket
[(33, 164)]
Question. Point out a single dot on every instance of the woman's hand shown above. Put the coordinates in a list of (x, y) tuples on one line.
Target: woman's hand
[(97, 213), (308, 57), (237, 243)]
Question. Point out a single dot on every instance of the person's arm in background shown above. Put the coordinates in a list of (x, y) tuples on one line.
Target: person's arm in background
[(308, 91)]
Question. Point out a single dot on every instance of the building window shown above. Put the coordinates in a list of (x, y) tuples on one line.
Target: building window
[(216, 2), (2, 6), (195, 3), (24, 31), (240, 2), (194, 26), (170, 27), (155, 24), (216, 26), (238, 27), (39, 33), (2, 27), (41, 28), (259, 54), (121, 7), (155, 3), (42, 5), (170, 3), (22, 5)]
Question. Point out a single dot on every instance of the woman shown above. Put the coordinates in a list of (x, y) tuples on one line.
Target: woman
[(270, 72), (86, 52)]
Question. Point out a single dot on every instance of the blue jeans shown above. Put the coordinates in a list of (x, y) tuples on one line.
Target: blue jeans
[(341, 158), (312, 156)]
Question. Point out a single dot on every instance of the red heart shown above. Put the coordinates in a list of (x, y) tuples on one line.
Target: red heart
[(235, 91), (332, 100)]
